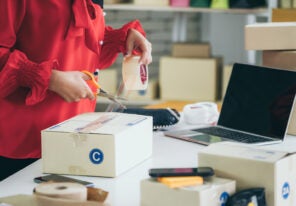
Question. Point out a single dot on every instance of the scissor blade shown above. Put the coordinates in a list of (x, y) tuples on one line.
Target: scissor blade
[(103, 93), (112, 98)]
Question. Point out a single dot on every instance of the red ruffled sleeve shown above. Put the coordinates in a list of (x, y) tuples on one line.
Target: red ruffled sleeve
[(16, 70), (114, 42), (21, 72)]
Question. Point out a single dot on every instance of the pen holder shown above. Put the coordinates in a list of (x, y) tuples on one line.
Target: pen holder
[(134, 73)]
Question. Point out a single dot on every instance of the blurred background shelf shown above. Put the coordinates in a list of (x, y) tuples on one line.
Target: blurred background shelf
[(132, 7), (165, 26)]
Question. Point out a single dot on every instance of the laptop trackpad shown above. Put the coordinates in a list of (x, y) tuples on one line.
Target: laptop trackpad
[(193, 136)]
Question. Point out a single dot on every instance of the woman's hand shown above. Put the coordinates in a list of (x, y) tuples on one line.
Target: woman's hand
[(71, 86), (136, 41)]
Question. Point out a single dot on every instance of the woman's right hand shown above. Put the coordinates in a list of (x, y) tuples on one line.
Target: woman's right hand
[(70, 85)]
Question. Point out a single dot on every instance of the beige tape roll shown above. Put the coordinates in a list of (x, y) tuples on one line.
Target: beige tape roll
[(65, 190)]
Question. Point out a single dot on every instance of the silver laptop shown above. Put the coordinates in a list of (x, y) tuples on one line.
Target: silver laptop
[(256, 108)]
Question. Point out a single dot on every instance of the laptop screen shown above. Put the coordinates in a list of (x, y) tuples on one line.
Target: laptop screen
[(259, 100)]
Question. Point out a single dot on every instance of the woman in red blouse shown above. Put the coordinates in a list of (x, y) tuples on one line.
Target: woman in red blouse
[(43, 47)]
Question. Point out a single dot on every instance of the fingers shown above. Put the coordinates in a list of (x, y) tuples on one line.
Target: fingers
[(87, 95), (71, 86), (136, 41), (146, 57)]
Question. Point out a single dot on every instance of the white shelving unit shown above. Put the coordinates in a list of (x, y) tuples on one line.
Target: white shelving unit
[(216, 24), (179, 31)]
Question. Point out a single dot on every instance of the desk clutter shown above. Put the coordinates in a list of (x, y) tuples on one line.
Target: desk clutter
[(193, 187), (244, 174)]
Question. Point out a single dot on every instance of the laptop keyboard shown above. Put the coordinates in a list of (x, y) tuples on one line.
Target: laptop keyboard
[(233, 135)]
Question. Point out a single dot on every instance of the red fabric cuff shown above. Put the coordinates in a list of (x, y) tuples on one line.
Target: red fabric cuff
[(21, 72), (115, 42)]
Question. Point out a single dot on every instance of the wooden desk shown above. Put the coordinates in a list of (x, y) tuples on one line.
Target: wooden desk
[(178, 105)]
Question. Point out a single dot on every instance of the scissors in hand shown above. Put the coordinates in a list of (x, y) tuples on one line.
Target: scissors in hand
[(100, 92)]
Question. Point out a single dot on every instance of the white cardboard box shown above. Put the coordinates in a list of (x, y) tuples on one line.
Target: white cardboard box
[(270, 36), (254, 167), (97, 144), (190, 79), (213, 192)]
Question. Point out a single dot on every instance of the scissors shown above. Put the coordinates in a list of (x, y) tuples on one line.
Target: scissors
[(100, 92)]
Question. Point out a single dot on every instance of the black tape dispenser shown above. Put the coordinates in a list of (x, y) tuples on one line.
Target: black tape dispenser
[(248, 197)]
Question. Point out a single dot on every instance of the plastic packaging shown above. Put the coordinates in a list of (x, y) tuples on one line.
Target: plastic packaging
[(201, 113), (134, 74)]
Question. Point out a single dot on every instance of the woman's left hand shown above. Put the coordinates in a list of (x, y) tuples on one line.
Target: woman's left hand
[(136, 41)]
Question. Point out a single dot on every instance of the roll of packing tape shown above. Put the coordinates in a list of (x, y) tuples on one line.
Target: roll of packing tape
[(64, 190)]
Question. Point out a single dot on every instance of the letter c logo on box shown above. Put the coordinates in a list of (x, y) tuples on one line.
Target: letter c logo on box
[(96, 156), (286, 190), (223, 198)]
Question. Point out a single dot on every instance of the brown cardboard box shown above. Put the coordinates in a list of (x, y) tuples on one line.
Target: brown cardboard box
[(292, 124), (227, 69), (202, 50), (189, 79), (253, 166), (108, 80), (270, 36), (284, 60), (283, 15)]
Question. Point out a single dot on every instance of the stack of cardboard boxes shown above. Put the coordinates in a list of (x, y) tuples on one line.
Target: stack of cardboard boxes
[(277, 42), (190, 74)]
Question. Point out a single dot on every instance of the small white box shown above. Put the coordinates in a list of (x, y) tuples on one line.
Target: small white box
[(254, 167), (214, 192), (97, 144)]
